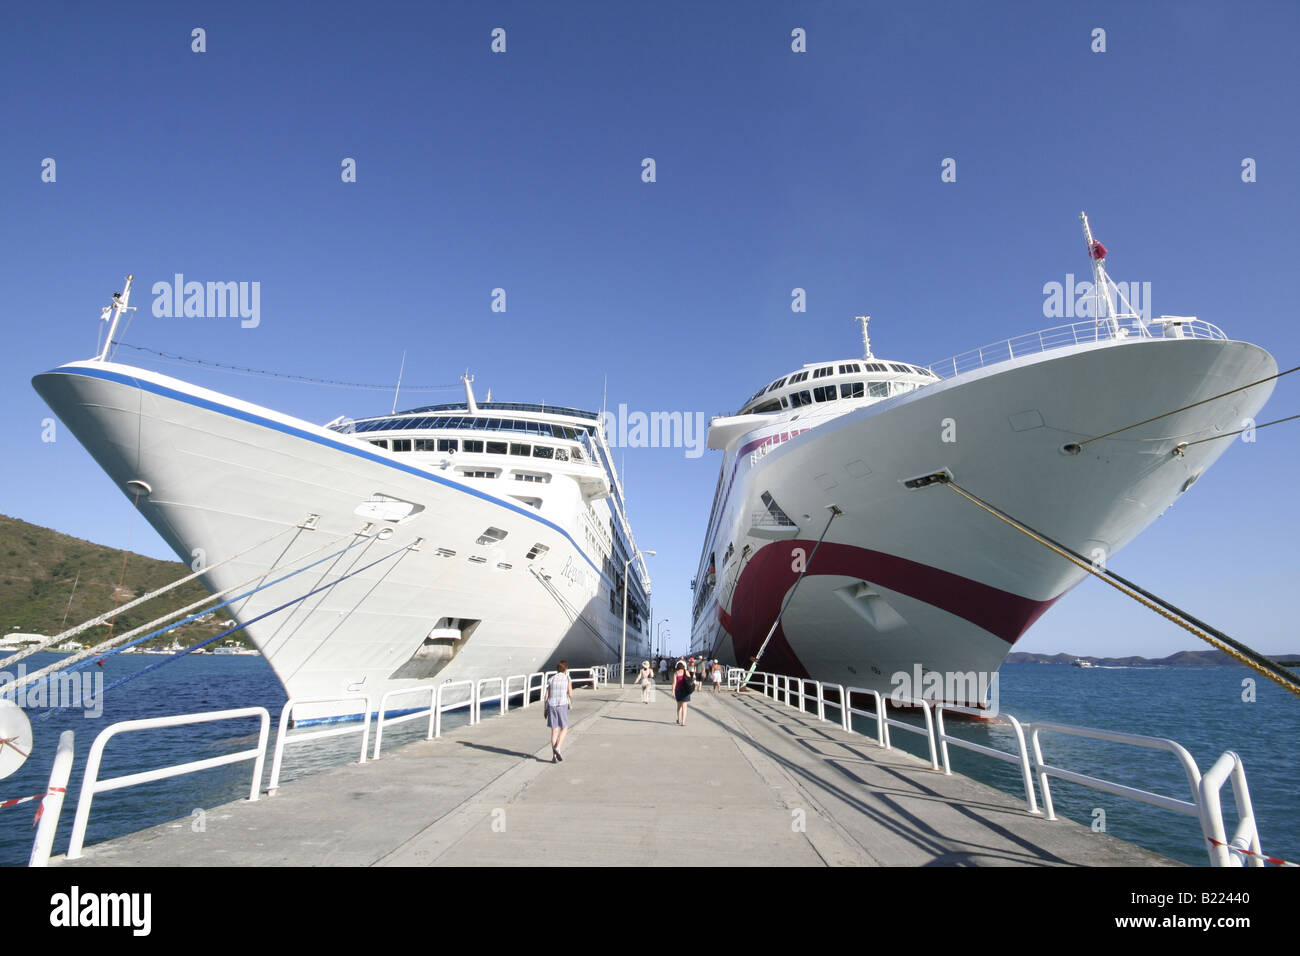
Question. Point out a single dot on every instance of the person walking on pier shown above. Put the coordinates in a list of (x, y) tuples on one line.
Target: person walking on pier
[(683, 687), (647, 681), (716, 674), (663, 669), (559, 696)]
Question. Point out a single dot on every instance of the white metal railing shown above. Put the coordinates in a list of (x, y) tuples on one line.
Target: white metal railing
[(91, 784), (282, 738), (1045, 770), (541, 687), (882, 724), (499, 696), (1205, 804), (735, 676), (1088, 332), (441, 706), (381, 719), (1021, 757), (52, 802), (1246, 836)]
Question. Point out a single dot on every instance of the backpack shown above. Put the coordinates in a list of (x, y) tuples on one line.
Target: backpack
[(688, 684)]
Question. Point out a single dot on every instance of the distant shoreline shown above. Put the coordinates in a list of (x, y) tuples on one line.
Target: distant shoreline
[(1210, 658)]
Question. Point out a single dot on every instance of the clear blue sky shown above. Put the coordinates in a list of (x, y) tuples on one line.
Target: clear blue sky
[(775, 170)]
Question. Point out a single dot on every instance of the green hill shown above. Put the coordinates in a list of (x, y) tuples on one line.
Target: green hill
[(38, 568)]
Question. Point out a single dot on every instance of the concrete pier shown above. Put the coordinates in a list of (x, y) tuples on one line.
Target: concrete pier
[(746, 782)]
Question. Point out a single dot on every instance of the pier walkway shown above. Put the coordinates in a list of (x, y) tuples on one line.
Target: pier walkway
[(746, 783)]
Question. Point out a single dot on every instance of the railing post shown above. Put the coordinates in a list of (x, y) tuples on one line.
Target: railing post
[(52, 802)]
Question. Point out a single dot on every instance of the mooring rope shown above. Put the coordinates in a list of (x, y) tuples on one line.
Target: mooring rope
[(231, 630), (72, 662), (1212, 398), (1215, 638), (108, 615)]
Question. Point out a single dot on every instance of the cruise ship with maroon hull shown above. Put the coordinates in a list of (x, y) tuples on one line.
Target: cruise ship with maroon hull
[(911, 575)]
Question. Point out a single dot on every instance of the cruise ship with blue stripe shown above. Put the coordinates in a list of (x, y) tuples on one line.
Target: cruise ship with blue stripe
[(448, 542)]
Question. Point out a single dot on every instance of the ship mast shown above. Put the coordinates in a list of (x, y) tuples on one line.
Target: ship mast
[(120, 305)]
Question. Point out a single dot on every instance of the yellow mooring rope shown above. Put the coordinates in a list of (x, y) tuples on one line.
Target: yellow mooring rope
[(1284, 682)]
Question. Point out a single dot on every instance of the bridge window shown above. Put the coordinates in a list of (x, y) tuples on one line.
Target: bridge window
[(850, 369), (851, 390), (401, 444), (798, 377), (473, 444), (798, 399), (542, 451), (496, 448), (523, 451), (381, 442), (426, 444), (448, 444), (824, 371), (824, 393)]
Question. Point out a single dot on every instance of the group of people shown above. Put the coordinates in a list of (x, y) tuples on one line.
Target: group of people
[(686, 677), (687, 674)]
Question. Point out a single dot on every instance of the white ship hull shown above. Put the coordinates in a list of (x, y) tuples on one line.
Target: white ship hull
[(223, 476), (909, 577)]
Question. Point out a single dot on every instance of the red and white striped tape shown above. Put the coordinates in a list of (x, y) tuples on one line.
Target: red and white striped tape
[(1275, 860), (40, 796)]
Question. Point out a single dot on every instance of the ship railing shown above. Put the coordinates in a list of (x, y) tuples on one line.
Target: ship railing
[(443, 702), (1021, 757), (91, 784), (735, 676), (358, 704), (1246, 837), (578, 676), (1089, 332)]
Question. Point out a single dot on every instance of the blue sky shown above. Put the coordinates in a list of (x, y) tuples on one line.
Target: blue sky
[(774, 170)]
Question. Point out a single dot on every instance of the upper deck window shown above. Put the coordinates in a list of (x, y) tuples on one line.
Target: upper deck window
[(824, 371), (850, 369), (877, 367), (775, 385), (851, 390), (824, 393), (899, 368), (798, 377), (798, 399)]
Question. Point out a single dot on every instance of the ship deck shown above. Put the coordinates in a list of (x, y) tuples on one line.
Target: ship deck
[(746, 783)]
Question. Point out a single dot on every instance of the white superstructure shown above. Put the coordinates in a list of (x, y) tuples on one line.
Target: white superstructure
[(913, 575), (463, 540)]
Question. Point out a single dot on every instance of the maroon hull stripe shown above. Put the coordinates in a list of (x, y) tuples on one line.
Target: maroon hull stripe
[(770, 574)]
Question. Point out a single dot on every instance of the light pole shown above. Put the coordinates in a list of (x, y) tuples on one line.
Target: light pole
[(622, 658), (659, 637)]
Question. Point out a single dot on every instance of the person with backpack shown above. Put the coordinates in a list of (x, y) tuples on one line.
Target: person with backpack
[(683, 687)]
